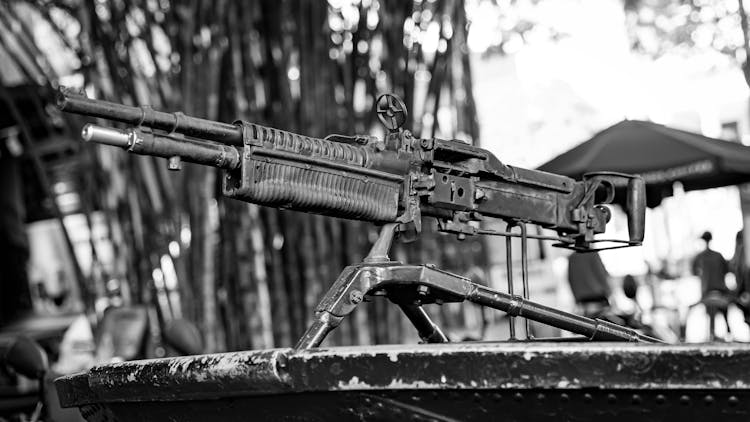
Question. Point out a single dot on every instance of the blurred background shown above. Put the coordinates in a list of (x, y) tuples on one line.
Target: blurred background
[(116, 253)]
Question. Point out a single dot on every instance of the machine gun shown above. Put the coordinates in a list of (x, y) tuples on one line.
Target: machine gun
[(393, 182)]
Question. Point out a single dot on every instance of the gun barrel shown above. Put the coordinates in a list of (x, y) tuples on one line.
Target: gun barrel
[(146, 116), (106, 135), (144, 143)]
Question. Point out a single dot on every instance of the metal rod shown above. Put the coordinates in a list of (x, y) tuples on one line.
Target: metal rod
[(509, 270), (225, 133), (525, 271), (146, 143), (323, 324), (593, 329), (530, 236), (381, 247), (428, 330), (325, 321)]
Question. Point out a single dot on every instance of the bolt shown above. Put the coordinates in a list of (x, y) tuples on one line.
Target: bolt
[(660, 399), (709, 400), (423, 290), (733, 401), (685, 400), (355, 297)]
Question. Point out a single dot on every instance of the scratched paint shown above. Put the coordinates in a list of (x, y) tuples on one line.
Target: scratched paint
[(484, 369)]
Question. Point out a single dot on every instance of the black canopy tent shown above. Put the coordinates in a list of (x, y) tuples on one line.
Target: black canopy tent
[(661, 155)]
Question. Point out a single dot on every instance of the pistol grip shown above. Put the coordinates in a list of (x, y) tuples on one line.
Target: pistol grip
[(636, 209)]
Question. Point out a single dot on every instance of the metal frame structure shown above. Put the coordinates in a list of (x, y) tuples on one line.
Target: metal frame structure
[(411, 286)]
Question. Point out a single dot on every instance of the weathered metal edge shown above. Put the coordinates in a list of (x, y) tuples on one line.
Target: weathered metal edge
[(518, 365), (179, 378)]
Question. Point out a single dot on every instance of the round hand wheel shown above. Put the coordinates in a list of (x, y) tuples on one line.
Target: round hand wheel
[(391, 111)]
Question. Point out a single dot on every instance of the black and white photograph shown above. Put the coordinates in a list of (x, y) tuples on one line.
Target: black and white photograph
[(374, 210)]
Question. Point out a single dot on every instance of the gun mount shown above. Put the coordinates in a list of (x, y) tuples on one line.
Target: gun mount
[(392, 182)]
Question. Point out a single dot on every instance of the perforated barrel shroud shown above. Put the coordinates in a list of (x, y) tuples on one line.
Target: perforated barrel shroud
[(287, 170)]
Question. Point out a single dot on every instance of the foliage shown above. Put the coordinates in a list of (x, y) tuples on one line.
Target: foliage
[(658, 27), (250, 276), (506, 26)]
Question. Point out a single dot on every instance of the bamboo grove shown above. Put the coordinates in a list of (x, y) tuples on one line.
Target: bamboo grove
[(249, 276)]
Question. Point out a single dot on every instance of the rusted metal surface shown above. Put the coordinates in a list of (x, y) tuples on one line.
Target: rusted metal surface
[(461, 381), (415, 285), (397, 179)]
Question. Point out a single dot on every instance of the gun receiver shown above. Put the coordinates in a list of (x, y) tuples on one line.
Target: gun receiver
[(398, 179)]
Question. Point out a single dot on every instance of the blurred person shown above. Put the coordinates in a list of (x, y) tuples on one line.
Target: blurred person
[(738, 266), (633, 318), (633, 313), (630, 287), (589, 282), (712, 268), (15, 294)]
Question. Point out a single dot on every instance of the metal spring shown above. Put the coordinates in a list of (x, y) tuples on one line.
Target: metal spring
[(323, 192), (320, 148)]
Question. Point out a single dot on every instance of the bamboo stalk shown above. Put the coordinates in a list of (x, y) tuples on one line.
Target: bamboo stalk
[(243, 72)]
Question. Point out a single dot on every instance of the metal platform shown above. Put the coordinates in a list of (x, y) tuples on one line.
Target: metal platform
[(430, 382)]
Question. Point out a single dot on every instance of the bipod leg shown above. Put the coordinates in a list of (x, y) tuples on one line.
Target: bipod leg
[(428, 331), (594, 329), (323, 324), (525, 272), (509, 271), (381, 247), (346, 292)]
